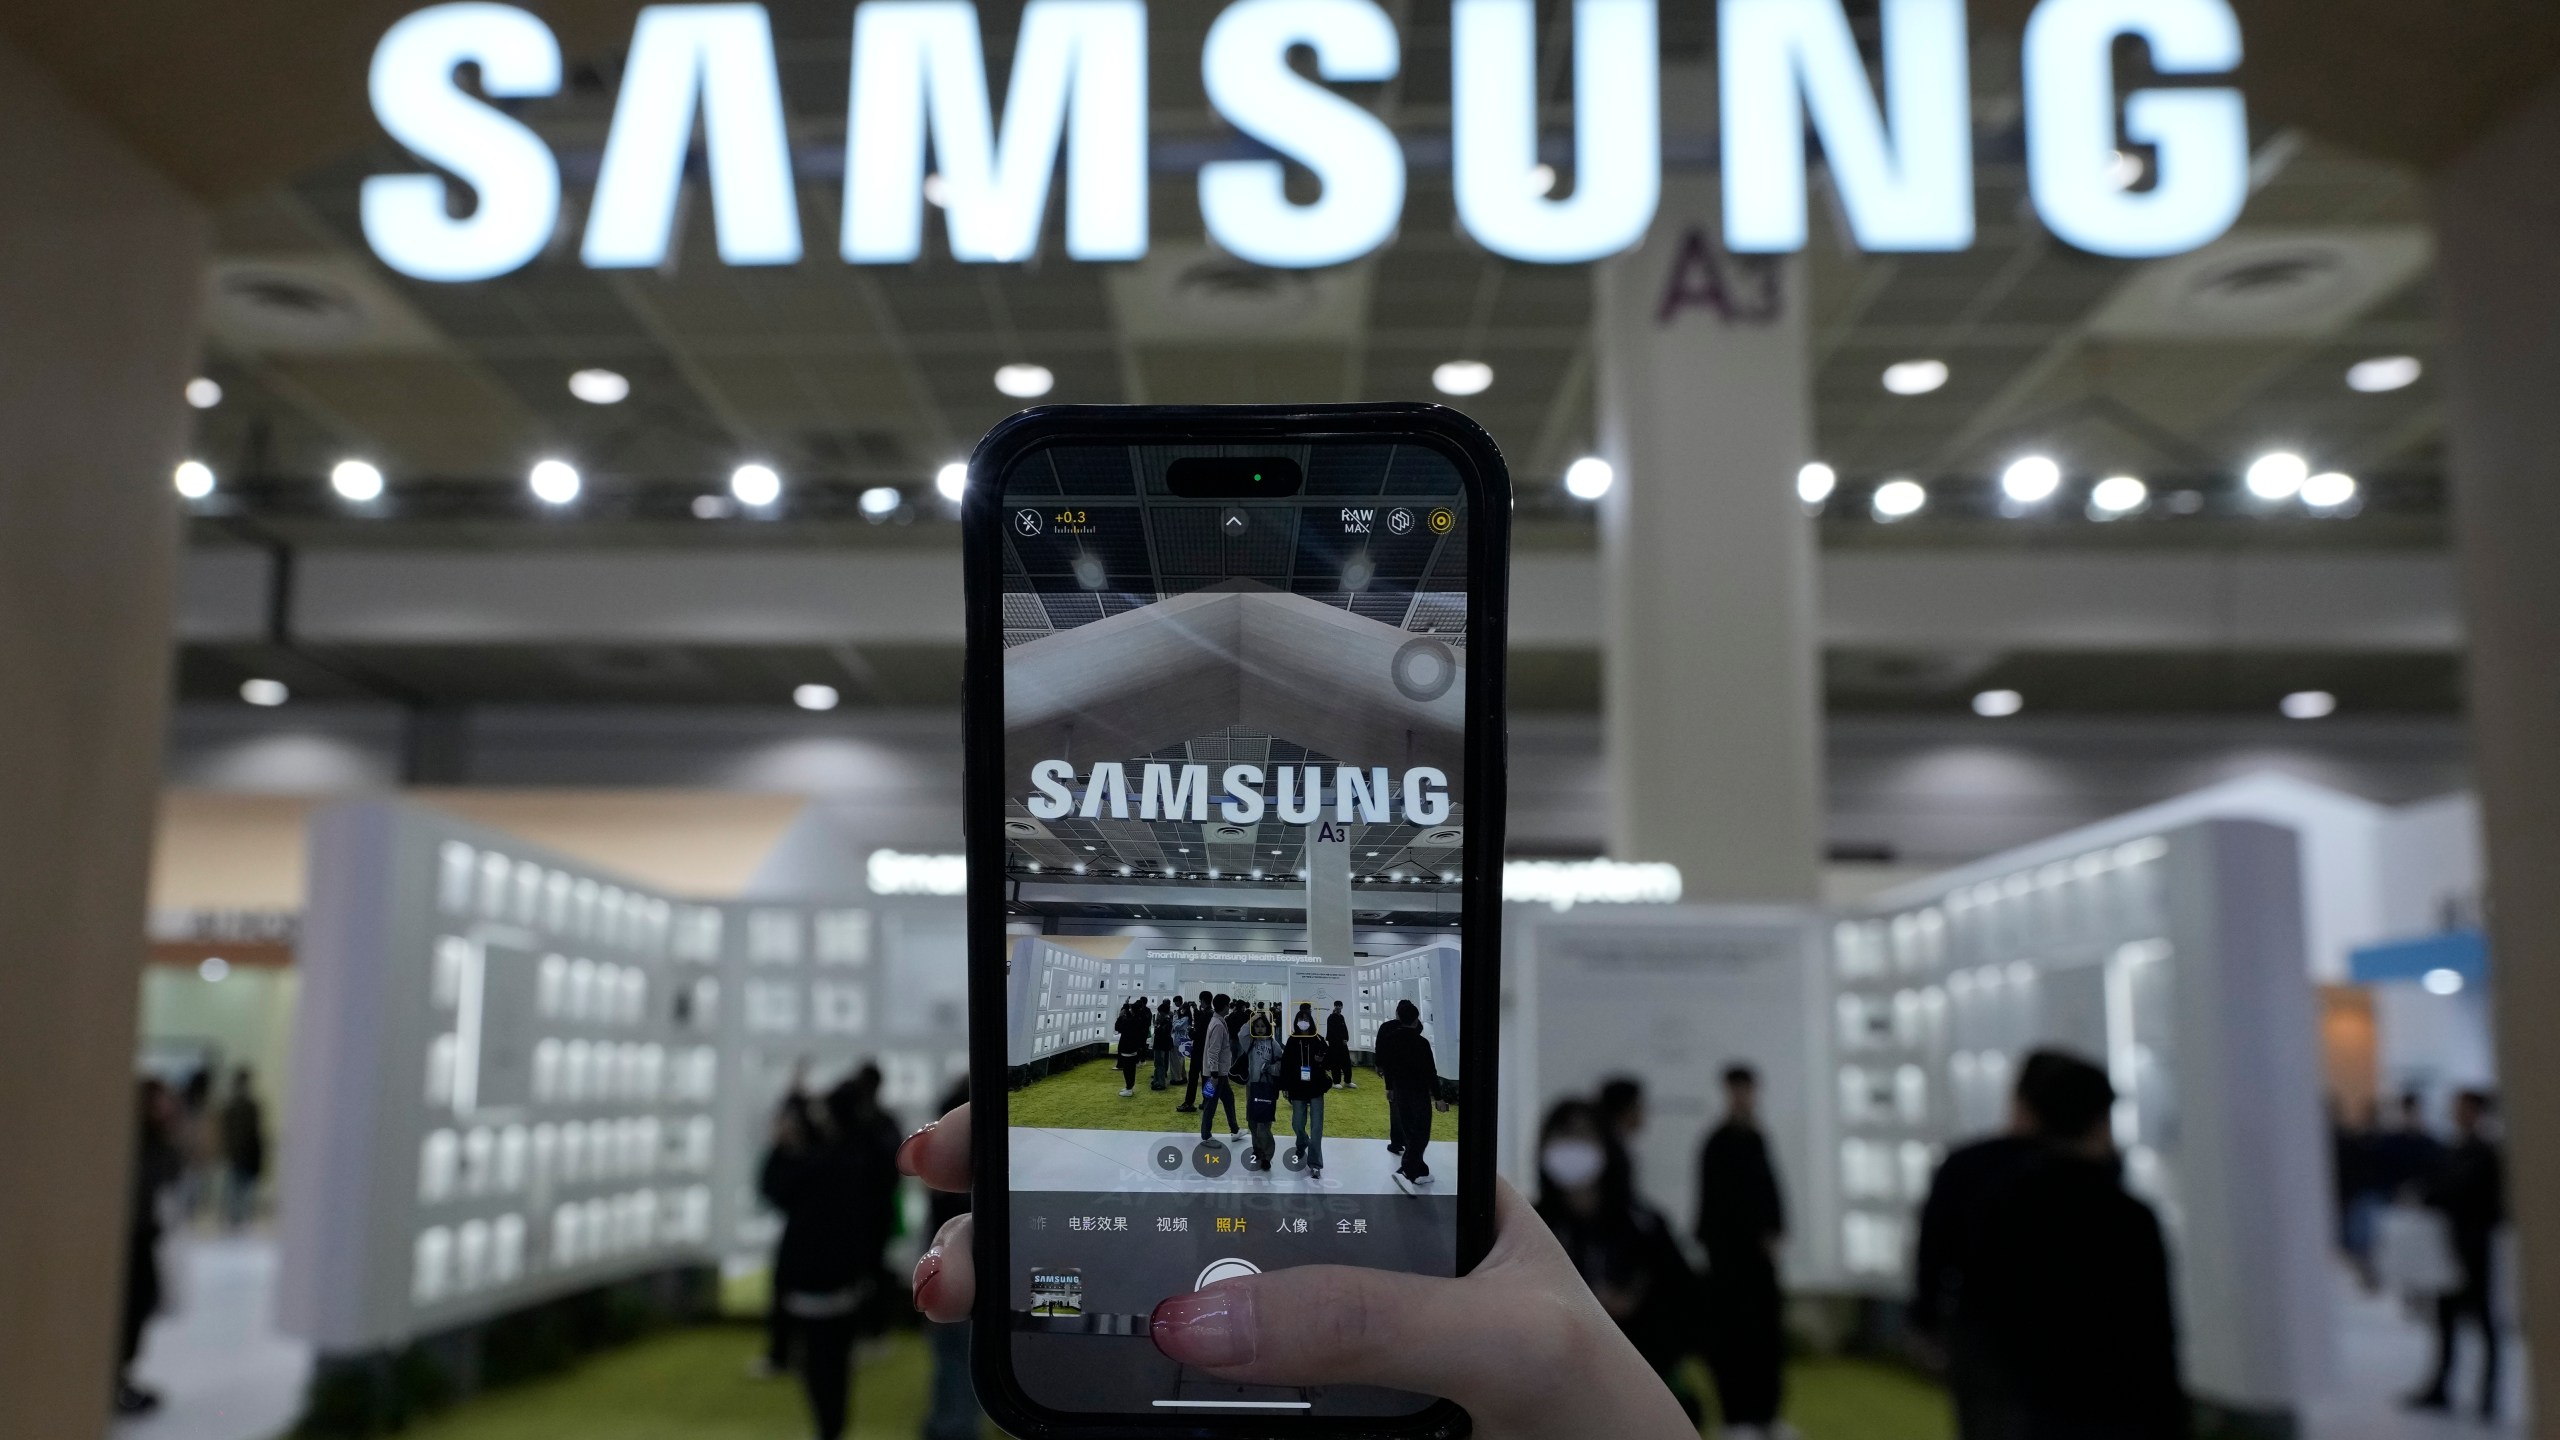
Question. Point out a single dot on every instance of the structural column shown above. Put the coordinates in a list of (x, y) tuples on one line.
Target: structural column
[(101, 269), (2497, 228), (1714, 724), (1329, 891)]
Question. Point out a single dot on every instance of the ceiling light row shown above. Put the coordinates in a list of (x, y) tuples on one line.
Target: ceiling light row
[(2300, 705), (2377, 376), (2032, 480)]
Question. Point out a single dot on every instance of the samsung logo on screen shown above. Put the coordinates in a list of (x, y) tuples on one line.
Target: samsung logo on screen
[(1901, 163), (1420, 796)]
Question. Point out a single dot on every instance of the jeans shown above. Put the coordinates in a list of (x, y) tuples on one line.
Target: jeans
[(1215, 1088), (1164, 1067), (1306, 1117)]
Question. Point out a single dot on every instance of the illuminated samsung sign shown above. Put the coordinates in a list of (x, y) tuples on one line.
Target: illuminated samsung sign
[(1901, 161)]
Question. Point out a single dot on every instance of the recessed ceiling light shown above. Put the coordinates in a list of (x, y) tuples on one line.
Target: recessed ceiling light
[(1462, 377), (194, 479), (2124, 169), (814, 697), (2308, 705), (1542, 179), (1025, 381), (2118, 495), (204, 392), (554, 482), (1998, 704), (1896, 499), (1589, 478), (1815, 482), (937, 191), (755, 485), (1915, 377), (879, 502), (599, 386), (952, 481), (2329, 490), (264, 692), (2384, 373), (2277, 475), (2031, 480), (356, 480)]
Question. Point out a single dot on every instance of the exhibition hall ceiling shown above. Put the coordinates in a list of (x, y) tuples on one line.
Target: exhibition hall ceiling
[(847, 379)]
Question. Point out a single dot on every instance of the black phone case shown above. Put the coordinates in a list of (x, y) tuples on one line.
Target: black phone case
[(1488, 487)]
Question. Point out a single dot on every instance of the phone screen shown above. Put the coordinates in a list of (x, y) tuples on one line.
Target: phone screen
[(1235, 710)]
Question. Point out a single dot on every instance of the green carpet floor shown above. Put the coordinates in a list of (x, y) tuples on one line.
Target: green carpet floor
[(693, 1385), (1088, 1098)]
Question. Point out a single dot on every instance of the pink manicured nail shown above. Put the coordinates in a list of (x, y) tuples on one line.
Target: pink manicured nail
[(1212, 1328), (907, 1150), (928, 1270)]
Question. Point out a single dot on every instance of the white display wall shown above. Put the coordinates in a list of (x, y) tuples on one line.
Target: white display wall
[(517, 1076), (2174, 958), (1672, 995)]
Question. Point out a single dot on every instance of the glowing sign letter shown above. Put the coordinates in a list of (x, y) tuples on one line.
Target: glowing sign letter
[(1079, 75), (510, 170), (1907, 189), (2201, 135), (722, 54), (1245, 65), (1617, 145)]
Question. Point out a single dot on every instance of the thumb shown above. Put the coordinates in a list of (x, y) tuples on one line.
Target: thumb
[(1463, 1339)]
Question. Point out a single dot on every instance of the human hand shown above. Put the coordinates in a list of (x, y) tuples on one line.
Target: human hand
[(1519, 1341)]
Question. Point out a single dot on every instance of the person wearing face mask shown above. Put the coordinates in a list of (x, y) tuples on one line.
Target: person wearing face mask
[(1622, 1247), (1305, 1075)]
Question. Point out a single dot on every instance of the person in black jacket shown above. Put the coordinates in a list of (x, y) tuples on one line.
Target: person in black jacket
[(1742, 1219), (1337, 1047), (2068, 1286), (1163, 1040), (1620, 1246), (1950, 1221), (2470, 1191), (1306, 1073), (157, 1165), (1411, 1074), (1134, 1031), (837, 1193), (244, 1150), (1199, 1039)]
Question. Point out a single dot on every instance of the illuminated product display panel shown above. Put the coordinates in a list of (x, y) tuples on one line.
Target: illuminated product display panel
[(2176, 960), (1234, 748), (522, 1077)]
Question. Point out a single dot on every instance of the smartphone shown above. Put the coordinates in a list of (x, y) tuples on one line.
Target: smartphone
[(1234, 808)]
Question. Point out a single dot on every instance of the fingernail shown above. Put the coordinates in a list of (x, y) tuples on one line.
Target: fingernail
[(1211, 1328), (928, 1270), (907, 1149)]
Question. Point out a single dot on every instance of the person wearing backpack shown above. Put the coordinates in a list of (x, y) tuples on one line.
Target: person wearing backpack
[(1306, 1073)]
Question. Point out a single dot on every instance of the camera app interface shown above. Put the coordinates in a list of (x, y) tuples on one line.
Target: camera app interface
[(1234, 710)]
